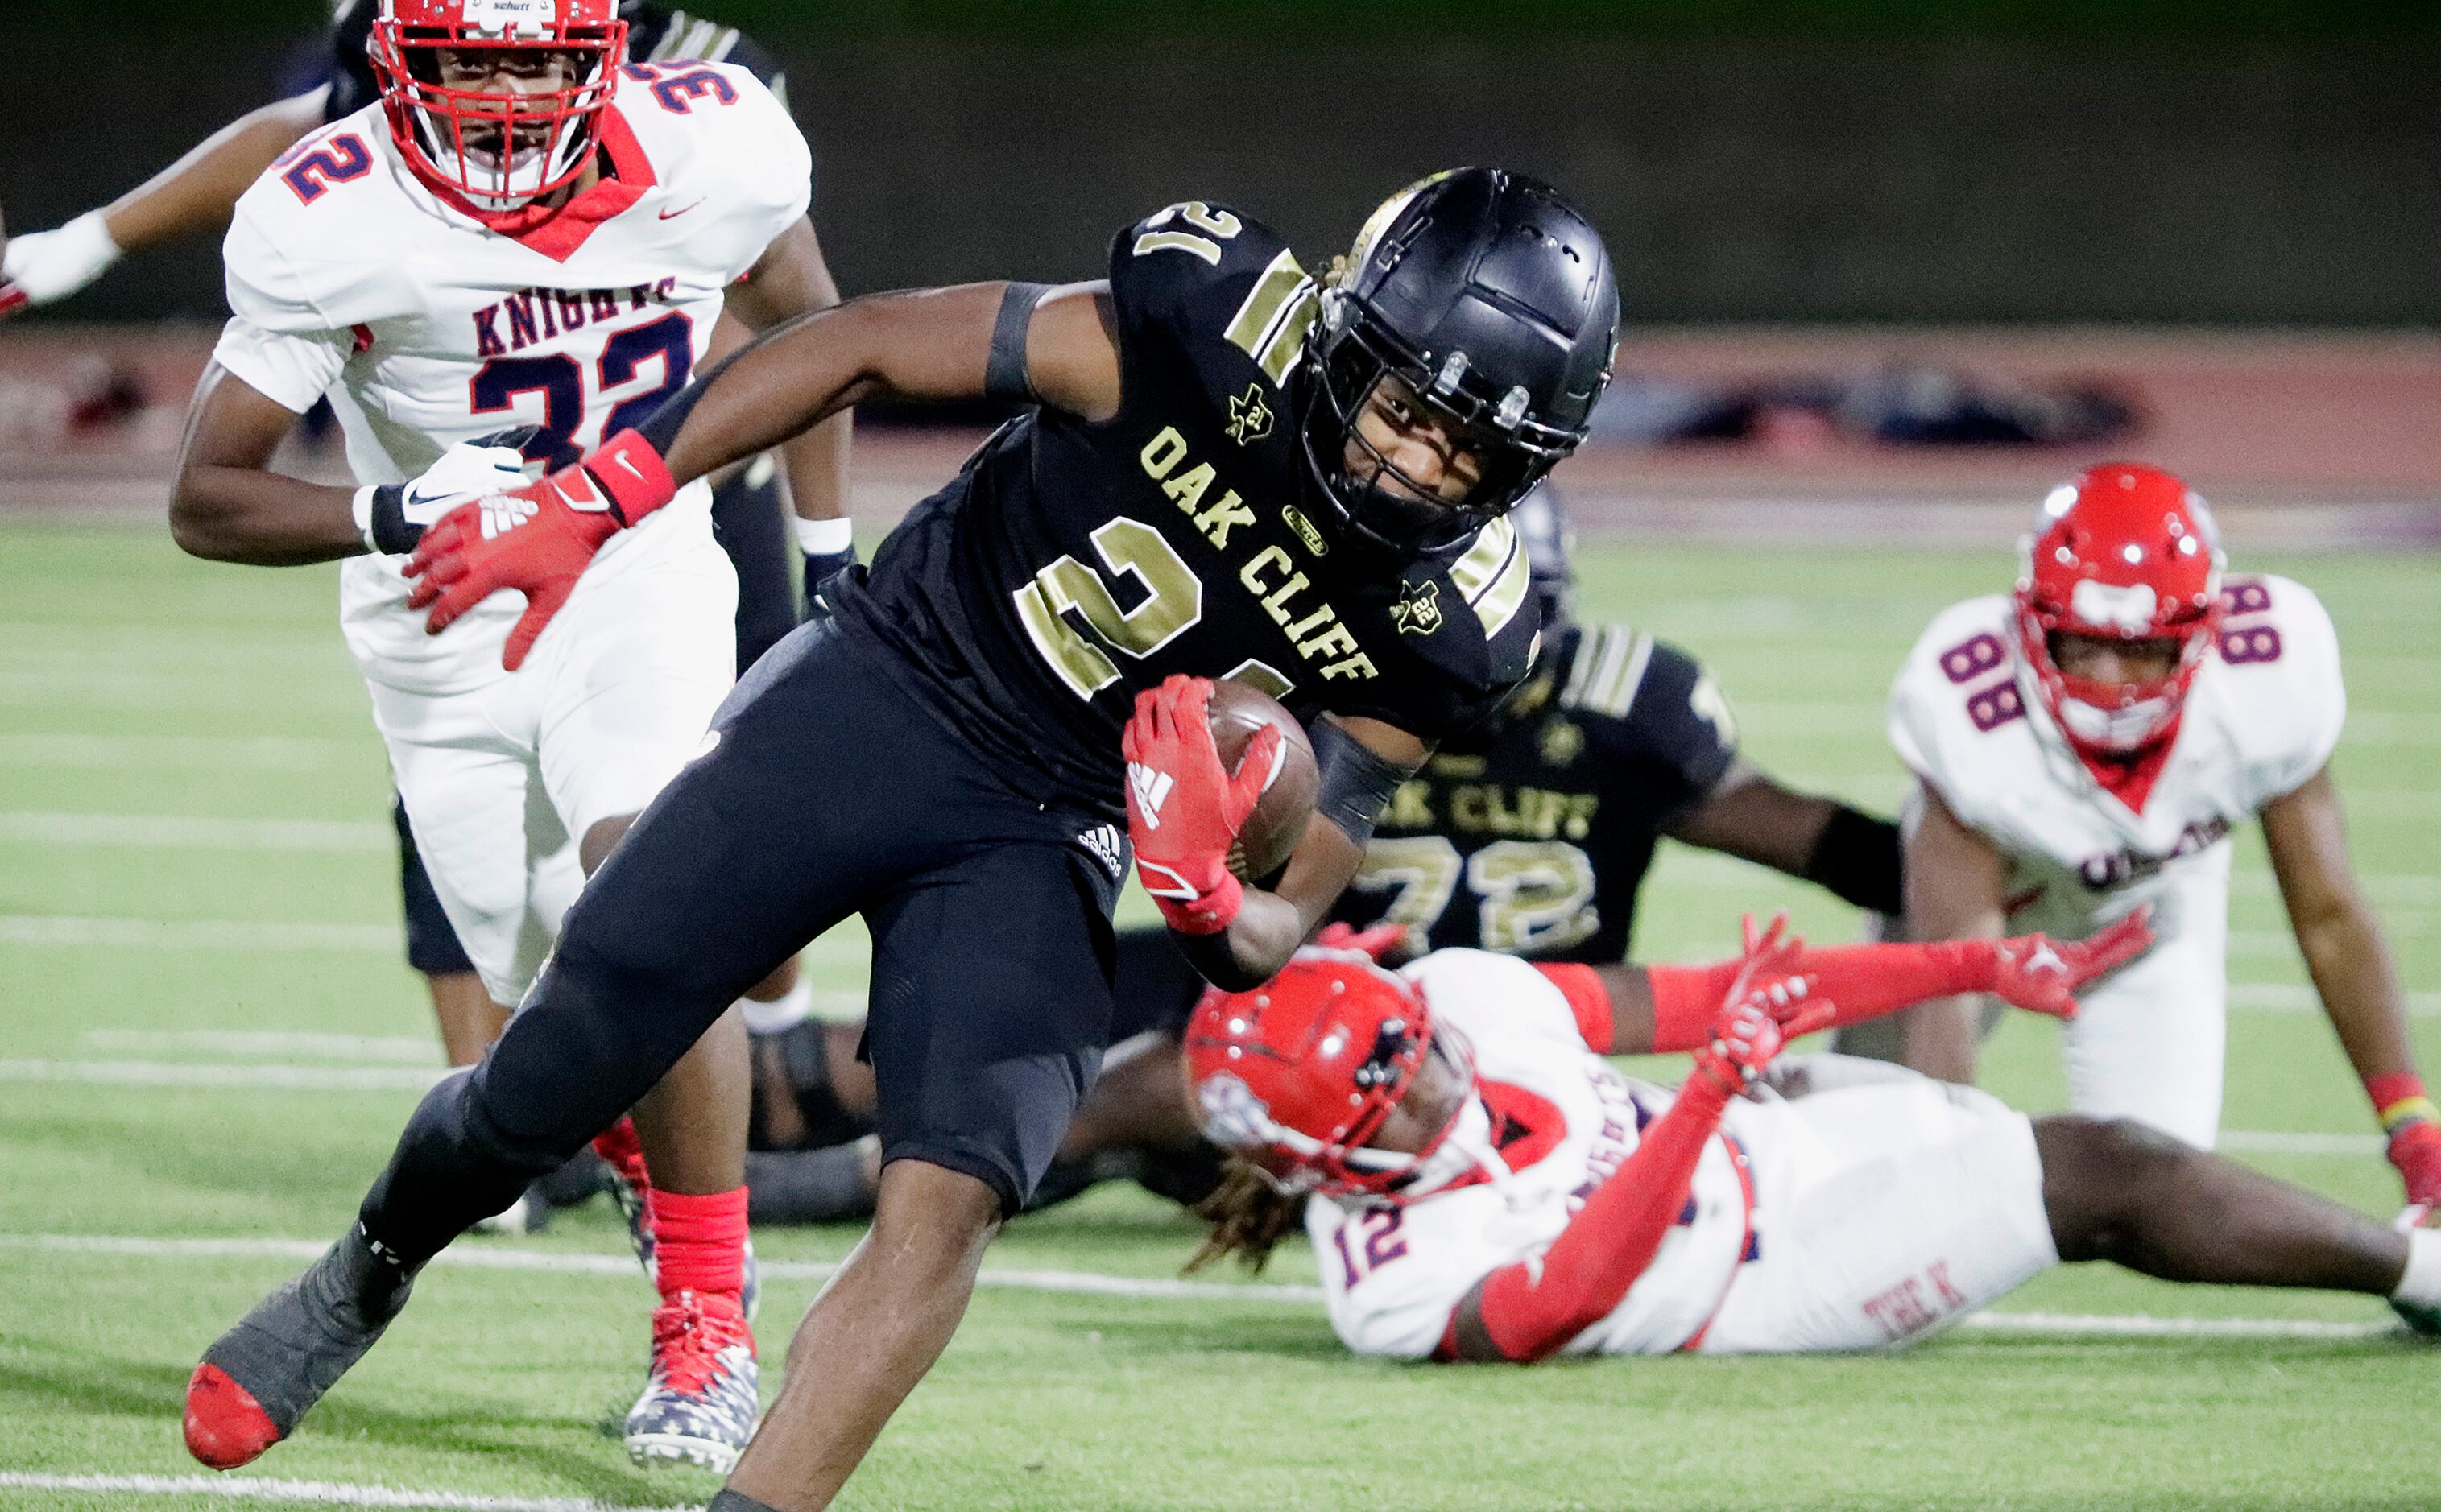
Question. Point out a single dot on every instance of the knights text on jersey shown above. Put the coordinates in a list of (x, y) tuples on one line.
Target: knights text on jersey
[(352, 277), (655, 34), (1563, 1119), (2260, 717), (1072, 564), (1534, 840)]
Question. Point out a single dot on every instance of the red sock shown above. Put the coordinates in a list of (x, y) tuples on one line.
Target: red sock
[(698, 1242)]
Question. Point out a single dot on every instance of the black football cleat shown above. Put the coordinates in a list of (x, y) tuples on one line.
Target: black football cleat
[(258, 1380)]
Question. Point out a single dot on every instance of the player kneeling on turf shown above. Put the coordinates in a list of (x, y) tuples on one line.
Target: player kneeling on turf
[(1480, 1184)]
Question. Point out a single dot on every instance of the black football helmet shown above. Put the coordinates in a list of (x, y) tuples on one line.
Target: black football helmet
[(1541, 522), (1492, 297)]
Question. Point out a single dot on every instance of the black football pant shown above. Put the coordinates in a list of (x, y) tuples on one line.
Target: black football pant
[(826, 790)]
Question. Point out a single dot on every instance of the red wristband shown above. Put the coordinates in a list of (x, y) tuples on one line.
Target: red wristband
[(2398, 1097), (633, 476)]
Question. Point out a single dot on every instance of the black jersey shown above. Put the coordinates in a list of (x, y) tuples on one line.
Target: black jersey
[(655, 34), (1535, 841), (1072, 563)]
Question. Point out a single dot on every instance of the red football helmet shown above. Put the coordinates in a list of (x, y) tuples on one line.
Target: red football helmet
[(2129, 553), (504, 147), (1299, 1073)]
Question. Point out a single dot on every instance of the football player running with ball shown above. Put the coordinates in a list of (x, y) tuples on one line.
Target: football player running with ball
[(1232, 471), (521, 216), (1479, 1184), (2085, 747)]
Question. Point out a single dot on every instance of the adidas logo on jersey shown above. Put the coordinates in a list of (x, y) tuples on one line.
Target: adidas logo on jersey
[(1150, 787), (1108, 847)]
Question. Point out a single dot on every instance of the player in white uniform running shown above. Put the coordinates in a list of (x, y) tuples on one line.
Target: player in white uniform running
[(1479, 1184), (2085, 746), (525, 230)]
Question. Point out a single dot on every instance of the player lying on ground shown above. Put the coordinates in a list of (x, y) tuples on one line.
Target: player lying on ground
[(2087, 747), (197, 195), (1480, 1184), (952, 754), (517, 215)]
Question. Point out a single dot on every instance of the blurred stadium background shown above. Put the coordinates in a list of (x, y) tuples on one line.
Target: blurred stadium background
[(1892, 267)]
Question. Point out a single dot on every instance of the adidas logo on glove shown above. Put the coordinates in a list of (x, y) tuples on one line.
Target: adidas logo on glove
[(1150, 788)]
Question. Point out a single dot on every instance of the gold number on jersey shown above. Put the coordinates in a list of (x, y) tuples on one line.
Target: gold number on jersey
[(1220, 226), (1173, 600), (1424, 870), (1535, 894), (1530, 894)]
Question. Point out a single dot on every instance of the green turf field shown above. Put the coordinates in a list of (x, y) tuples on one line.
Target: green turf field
[(196, 882)]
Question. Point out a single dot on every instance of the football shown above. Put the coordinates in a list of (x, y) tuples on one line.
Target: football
[(1273, 830)]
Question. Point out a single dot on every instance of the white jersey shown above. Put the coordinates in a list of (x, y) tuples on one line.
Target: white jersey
[(1563, 1119), (351, 278), (2260, 717)]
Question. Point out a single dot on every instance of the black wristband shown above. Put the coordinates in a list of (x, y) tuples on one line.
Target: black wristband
[(1857, 858), (1356, 785), (727, 1501), (393, 533), (1004, 374)]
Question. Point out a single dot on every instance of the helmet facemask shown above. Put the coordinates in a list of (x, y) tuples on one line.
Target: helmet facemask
[(1352, 354), (501, 148)]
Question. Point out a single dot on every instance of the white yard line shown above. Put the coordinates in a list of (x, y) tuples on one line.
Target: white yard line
[(2134, 1325), (320, 1493), (194, 934), (178, 1073), (279, 753), (415, 1050), (190, 833)]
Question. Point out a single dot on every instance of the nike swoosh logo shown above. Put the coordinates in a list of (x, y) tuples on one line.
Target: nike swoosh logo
[(671, 215), (628, 463)]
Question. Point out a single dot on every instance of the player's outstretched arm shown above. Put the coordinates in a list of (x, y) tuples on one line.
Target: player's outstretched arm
[(1632, 1010), (1748, 814), (2350, 961), (1530, 1309), (191, 196), (921, 344), (227, 505)]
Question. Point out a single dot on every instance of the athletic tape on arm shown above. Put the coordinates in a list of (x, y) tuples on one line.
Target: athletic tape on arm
[(1004, 374), (1356, 783)]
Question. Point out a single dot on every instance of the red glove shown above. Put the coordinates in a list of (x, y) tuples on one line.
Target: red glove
[(2039, 974), (1380, 940), (1768, 1005), (536, 540), (1184, 811)]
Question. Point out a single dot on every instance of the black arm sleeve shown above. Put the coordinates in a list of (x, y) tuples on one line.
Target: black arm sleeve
[(1857, 858)]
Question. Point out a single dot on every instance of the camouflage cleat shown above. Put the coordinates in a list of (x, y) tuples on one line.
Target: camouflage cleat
[(258, 1380), (703, 1398)]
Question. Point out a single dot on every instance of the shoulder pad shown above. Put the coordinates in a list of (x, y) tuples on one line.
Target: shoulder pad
[(1609, 668), (1206, 279), (1492, 575), (2280, 655)]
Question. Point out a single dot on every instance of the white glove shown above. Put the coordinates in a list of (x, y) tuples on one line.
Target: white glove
[(468, 470), (47, 266)]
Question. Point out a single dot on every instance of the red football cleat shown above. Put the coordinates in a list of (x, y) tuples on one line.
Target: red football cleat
[(225, 1426)]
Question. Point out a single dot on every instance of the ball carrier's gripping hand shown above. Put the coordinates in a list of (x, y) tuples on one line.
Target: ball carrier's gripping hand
[(536, 539), (1184, 809), (1530, 1309)]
